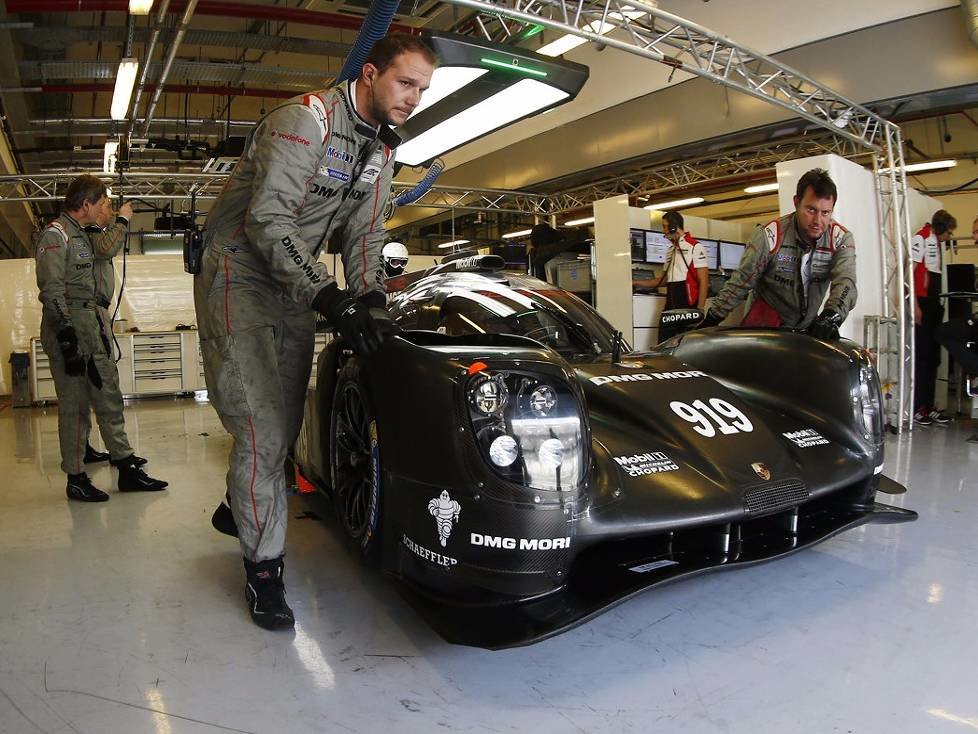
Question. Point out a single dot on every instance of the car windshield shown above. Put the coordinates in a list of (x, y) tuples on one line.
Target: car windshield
[(552, 317)]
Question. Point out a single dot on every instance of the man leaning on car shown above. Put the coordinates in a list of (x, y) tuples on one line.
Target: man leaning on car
[(318, 166), (791, 263)]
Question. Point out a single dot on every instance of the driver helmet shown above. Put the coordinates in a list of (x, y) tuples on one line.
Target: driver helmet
[(395, 259)]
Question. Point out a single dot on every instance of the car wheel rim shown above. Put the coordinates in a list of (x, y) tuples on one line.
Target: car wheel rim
[(352, 461)]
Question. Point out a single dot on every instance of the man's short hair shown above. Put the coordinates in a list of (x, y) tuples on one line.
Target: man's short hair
[(822, 185), (672, 219), (942, 222), (86, 189), (390, 47)]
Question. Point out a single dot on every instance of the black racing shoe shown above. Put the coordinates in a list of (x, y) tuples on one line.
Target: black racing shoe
[(265, 592), (133, 479), (922, 417), (223, 520), (93, 456), (940, 418), (80, 488), (131, 459)]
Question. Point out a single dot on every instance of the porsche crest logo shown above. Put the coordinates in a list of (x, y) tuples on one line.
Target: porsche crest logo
[(761, 470)]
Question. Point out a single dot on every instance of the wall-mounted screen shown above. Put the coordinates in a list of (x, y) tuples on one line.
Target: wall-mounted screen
[(712, 248), (730, 254), (637, 237), (656, 247)]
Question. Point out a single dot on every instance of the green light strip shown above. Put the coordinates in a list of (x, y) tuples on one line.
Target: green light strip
[(513, 67), (534, 30)]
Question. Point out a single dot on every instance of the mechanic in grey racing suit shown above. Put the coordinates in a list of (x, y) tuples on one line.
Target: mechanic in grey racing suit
[(317, 167), (791, 263), (74, 340)]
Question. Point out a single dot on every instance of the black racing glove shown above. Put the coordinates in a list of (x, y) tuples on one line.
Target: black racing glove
[(93, 373), (826, 325), (711, 319), (377, 303), (74, 362), (351, 318)]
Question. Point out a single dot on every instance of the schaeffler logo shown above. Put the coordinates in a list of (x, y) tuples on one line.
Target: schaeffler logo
[(445, 510)]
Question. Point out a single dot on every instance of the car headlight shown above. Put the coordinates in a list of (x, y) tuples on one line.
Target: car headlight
[(867, 404), (528, 427)]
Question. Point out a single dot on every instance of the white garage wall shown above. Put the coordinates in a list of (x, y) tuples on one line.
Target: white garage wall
[(158, 296)]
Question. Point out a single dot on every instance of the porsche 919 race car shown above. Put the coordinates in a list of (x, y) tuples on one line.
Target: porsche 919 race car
[(518, 471)]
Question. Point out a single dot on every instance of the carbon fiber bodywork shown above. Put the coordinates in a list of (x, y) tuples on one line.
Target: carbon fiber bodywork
[(721, 448)]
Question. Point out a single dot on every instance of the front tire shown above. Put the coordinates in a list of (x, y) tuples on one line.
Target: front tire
[(355, 463)]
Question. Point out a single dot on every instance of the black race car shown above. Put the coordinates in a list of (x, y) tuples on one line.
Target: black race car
[(518, 470)]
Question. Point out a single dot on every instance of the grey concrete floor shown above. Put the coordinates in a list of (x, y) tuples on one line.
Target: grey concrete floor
[(129, 617)]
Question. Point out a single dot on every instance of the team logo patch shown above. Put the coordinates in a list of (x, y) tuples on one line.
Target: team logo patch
[(289, 137), (761, 470), (340, 155), (370, 174), (84, 254), (445, 510), (338, 175)]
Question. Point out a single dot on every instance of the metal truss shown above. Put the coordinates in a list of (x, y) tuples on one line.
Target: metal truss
[(704, 170), (647, 31), (460, 198), (134, 185)]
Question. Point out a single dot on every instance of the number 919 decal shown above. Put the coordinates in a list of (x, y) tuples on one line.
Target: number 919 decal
[(728, 418)]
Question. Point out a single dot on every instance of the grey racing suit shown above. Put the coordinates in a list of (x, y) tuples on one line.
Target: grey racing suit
[(66, 258), (788, 279), (312, 170)]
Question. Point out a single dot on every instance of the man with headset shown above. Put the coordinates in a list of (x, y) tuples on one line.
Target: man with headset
[(685, 255)]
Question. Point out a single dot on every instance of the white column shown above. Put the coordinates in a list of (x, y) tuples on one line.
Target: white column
[(613, 262)]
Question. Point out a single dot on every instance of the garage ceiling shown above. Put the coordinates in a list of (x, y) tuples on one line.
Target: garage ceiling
[(58, 60)]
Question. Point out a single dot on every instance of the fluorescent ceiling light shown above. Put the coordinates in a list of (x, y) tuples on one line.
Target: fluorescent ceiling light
[(444, 81), (446, 245), (109, 157), (520, 233), (140, 7), (761, 188), (678, 202), (569, 41), (521, 99), (575, 222), (124, 81), (928, 166)]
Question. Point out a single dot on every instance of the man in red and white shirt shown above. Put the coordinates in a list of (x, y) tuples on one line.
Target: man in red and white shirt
[(686, 252), (927, 256)]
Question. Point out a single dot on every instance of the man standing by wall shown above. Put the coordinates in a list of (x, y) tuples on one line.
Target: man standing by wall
[(791, 263), (318, 166), (927, 254), (72, 339)]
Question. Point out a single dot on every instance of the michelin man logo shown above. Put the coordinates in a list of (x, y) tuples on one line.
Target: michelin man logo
[(444, 509)]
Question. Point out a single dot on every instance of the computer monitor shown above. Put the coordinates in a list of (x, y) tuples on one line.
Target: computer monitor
[(712, 248), (730, 254), (656, 247), (637, 237)]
